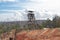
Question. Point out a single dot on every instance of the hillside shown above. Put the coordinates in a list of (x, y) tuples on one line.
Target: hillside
[(42, 34)]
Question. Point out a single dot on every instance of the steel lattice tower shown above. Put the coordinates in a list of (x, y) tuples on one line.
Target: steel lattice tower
[(31, 20)]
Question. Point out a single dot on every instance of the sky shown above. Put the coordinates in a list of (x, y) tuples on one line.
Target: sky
[(15, 10)]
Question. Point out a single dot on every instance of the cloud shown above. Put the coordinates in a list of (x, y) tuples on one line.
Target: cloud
[(46, 8), (7, 0), (21, 15), (52, 5), (10, 15), (13, 15)]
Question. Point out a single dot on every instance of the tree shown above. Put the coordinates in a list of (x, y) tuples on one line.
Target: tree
[(56, 21), (47, 24)]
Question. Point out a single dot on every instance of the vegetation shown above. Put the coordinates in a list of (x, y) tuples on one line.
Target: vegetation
[(55, 23), (7, 28)]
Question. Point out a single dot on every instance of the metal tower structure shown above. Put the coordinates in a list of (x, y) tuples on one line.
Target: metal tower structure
[(31, 20), (31, 17)]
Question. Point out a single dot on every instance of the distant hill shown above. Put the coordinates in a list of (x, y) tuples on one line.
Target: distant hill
[(21, 23)]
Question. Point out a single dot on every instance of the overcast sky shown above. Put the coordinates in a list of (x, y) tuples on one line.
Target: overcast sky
[(11, 10)]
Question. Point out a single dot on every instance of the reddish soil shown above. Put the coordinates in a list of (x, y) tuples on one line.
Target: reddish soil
[(43, 34)]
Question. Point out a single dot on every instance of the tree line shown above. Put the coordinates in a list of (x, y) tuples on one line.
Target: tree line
[(55, 23)]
